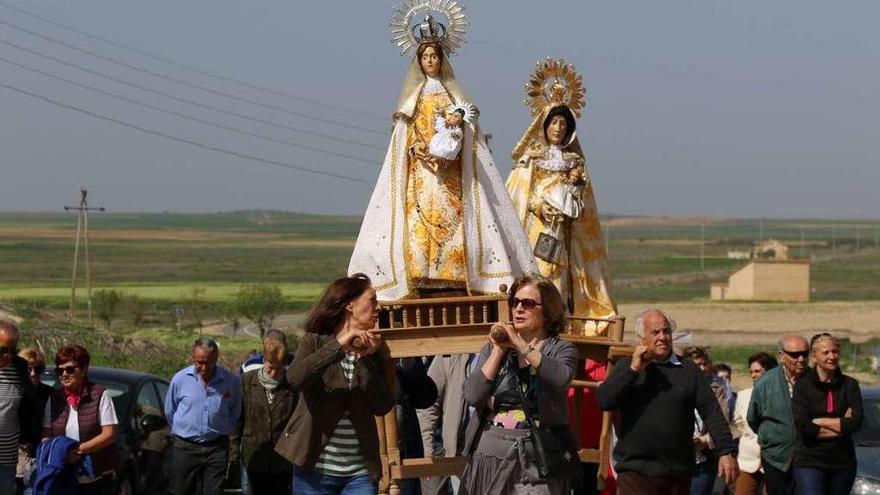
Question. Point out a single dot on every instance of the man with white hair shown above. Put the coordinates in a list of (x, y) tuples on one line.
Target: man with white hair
[(655, 395)]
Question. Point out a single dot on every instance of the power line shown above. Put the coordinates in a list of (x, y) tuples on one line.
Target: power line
[(188, 117), (187, 100), (253, 86), (192, 85), (179, 139)]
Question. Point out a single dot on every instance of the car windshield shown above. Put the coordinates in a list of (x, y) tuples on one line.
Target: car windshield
[(870, 432), (116, 389)]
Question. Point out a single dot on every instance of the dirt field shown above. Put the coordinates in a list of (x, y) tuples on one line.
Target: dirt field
[(762, 323)]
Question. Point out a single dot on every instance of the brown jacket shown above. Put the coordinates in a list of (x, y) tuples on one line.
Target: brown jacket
[(261, 425), (325, 397)]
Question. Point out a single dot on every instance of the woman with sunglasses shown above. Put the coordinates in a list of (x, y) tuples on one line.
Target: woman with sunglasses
[(827, 408), (84, 411), (527, 367)]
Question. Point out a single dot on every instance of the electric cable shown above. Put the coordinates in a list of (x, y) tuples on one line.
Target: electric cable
[(192, 85), (283, 94), (187, 100), (180, 139), (188, 117)]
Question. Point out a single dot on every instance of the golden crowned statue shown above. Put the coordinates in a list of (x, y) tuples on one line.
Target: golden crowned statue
[(553, 196), (439, 218)]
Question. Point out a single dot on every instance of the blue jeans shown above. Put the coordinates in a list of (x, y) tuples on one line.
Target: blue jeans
[(816, 481), (704, 477), (316, 483)]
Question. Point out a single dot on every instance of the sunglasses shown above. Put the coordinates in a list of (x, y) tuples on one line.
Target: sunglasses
[(527, 304), (8, 350), (63, 370), (796, 354), (39, 369)]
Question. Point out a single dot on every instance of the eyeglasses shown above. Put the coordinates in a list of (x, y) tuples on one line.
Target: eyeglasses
[(796, 354), (527, 304), (7, 350), (38, 369), (63, 370)]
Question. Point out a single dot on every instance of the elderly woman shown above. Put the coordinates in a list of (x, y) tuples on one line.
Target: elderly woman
[(524, 374), (331, 439), (751, 476), (84, 411), (827, 408), (268, 400)]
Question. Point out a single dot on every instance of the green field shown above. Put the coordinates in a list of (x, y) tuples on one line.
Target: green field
[(162, 256)]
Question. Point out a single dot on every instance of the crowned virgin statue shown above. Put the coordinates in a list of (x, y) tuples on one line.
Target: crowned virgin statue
[(439, 220), (553, 196)]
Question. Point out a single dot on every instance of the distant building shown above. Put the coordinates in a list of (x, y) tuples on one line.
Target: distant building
[(771, 250), (739, 255), (766, 280)]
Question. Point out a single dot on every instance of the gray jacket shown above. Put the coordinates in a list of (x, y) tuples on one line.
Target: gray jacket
[(449, 373), (558, 362)]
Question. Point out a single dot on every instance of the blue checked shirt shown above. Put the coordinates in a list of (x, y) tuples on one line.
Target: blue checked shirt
[(199, 413)]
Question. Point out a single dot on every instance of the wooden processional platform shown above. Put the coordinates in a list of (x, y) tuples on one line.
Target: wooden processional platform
[(460, 325)]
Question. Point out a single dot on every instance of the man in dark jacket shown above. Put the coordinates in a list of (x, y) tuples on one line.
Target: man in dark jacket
[(19, 418), (655, 395)]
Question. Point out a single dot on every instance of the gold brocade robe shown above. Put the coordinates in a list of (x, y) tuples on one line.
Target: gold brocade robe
[(434, 254), (582, 274)]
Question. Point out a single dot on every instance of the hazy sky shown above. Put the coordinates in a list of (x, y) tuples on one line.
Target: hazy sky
[(702, 107)]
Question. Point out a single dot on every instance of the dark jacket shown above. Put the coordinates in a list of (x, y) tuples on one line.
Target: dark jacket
[(325, 397), (558, 362), (809, 401), (261, 425), (415, 390), (656, 412), (30, 414)]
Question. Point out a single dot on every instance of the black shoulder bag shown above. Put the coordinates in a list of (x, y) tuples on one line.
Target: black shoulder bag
[(556, 449)]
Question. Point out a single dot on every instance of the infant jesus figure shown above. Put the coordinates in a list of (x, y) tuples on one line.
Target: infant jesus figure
[(567, 196), (449, 130)]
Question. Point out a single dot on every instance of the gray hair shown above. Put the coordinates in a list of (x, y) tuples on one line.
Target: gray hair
[(640, 320), (10, 328), (781, 343), (823, 336), (206, 344)]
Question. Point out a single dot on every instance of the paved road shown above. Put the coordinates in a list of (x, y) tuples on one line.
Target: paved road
[(249, 328)]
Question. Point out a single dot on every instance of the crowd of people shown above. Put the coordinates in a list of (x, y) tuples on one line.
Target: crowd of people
[(305, 423)]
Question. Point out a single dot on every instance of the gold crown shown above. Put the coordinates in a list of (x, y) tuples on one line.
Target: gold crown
[(554, 83)]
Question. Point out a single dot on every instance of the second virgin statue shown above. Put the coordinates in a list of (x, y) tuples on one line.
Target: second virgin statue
[(439, 220), (553, 195)]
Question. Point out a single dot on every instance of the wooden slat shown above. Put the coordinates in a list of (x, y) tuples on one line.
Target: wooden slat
[(428, 466), (585, 384)]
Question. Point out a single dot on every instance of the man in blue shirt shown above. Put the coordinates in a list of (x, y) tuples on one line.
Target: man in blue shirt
[(202, 406)]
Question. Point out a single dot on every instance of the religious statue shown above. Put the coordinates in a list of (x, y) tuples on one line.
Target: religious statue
[(439, 221), (554, 200)]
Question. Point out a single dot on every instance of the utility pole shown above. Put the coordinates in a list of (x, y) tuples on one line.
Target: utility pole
[(858, 239), (703, 247), (760, 233), (82, 227), (876, 236), (803, 245), (833, 241)]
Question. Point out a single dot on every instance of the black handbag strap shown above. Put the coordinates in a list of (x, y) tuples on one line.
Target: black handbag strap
[(522, 396)]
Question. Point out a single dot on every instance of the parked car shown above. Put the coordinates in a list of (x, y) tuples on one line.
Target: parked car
[(139, 399), (867, 442)]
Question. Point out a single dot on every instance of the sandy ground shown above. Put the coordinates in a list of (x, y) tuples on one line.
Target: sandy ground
[(761, 323)]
